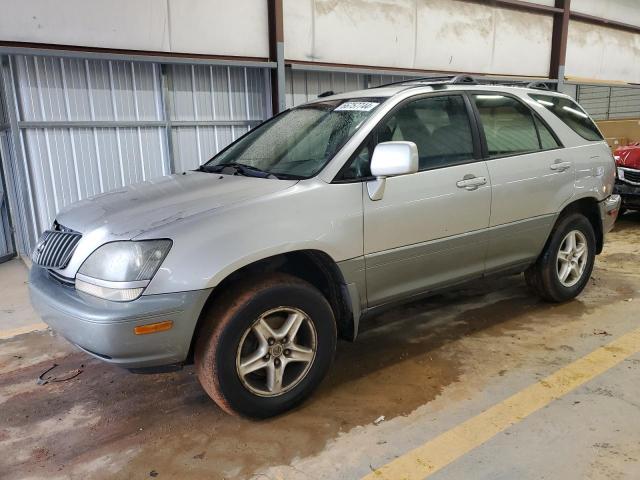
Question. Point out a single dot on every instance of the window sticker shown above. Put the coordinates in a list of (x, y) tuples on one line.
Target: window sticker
[(356, 107)]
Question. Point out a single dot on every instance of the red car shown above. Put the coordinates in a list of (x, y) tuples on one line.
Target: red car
[(628, 175)]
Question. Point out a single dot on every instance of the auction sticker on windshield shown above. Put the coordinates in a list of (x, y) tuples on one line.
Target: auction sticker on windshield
[(357, 106)]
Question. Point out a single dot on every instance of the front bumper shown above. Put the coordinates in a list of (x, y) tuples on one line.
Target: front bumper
[(104, 329), (630, 194), (609, 209)]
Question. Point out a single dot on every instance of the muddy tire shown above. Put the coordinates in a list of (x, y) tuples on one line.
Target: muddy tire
[(265, 346), (565, 265)]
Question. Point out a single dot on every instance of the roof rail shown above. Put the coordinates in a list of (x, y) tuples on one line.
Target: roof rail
[(416, 79), (445, 79)]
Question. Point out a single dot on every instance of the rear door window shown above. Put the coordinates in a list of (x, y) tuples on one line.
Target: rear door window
[(509, 126), (547, 140), (571, 114)]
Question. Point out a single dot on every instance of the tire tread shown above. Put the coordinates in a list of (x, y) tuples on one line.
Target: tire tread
[(541, 276), (220, 318)]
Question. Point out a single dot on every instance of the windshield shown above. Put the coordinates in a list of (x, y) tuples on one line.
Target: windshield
[(297, 143)]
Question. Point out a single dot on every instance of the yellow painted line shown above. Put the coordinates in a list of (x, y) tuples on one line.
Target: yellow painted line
[(12, 332), (461, 439)]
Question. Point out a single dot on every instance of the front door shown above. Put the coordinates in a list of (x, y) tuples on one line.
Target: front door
[(429, 228)]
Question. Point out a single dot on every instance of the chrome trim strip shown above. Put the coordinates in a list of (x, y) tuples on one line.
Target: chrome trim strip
[(69, 282)]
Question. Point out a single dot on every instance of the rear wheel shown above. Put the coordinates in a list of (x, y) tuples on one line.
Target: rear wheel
[(264, 349), (564, 267)]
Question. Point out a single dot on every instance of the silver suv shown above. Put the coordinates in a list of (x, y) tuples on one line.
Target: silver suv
[(254, 264)]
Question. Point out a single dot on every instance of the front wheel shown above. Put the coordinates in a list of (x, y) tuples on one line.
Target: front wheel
[(264, 349), (564, 267)]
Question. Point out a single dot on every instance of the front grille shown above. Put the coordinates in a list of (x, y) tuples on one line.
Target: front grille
[(632, 175), (55, 247)]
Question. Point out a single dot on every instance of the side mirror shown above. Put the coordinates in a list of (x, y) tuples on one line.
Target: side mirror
[(391, 159)]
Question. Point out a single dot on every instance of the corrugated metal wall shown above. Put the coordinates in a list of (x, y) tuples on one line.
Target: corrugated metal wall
[(71, 161), (86, 127), (211, 106), (72, 128), (609, 103), (89, 126), (303, 86)]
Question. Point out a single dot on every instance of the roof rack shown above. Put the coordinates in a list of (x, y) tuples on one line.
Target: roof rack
[(538, 85), (470, 80), (445, 79)]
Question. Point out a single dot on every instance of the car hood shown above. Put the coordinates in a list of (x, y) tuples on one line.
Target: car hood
[(136, 209), (628, 156)]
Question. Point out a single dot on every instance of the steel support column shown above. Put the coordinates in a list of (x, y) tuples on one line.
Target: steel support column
[(276, 54), (167, 102), (559, 41)]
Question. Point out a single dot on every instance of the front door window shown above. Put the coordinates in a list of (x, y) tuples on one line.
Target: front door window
[(439, 126)]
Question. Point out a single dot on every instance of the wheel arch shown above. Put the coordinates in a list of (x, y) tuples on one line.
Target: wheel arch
[(588, 206), (313, 266)]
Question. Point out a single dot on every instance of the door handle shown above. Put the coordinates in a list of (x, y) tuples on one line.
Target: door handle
[(471, 182), (560, 166)]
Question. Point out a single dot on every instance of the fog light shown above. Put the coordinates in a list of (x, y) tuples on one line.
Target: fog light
[(153, 327)]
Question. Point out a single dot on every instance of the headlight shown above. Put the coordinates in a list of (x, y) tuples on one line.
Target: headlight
[(120, 271)]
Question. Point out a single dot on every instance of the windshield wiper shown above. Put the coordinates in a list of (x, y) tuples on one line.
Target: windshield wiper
[(237, 168), (288, 176), (248, 171)]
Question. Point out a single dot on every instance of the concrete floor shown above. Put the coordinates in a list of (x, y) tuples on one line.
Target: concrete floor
[(16, 314), (426, 366)]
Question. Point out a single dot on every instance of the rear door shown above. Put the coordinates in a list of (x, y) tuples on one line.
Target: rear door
[(532, 176), (429, 229)]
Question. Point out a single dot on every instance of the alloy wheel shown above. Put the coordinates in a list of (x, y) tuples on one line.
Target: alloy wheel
[(572, 258), (276, 352)]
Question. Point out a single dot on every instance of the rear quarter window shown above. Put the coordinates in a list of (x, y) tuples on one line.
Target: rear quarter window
[(571, 114)]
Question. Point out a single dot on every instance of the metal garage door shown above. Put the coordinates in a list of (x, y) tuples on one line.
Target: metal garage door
[(89, 126)]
